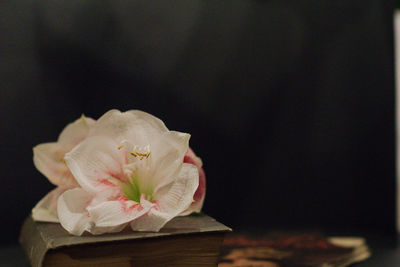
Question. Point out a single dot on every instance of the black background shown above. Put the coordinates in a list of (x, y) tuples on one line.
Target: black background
[(290, 103)]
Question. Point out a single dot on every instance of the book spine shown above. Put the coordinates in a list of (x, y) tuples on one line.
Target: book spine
[(32, 243)]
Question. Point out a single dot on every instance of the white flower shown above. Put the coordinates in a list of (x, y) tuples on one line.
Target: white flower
[(49, 160), (131, 171)]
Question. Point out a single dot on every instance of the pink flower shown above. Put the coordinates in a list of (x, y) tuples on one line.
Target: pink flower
[(131, 171), (123, 169)]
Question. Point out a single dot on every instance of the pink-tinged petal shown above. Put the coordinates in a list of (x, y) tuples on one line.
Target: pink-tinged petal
[(135, 126), (108, 211), (96, 163), (171, 200), (191, 156), (72, 213), (114, 211), (201, 190), (75, 132), (46, 209), (199, 196), (49, 160)]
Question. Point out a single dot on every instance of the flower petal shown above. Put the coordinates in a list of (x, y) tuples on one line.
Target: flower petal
[(80, 211), (152, 120), (172, 200), (153, 221), (71, 209), (48, 159), (134, 125), (116, 210), (46, 209), (95, 162), (191, 157), (75, 132), (179, 195), (199, 195), (109, 229), (167, 156)]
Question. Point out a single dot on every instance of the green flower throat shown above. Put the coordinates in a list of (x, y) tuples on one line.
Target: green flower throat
[(133, 190)]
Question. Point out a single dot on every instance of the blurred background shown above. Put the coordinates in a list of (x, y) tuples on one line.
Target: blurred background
[(290, 104)]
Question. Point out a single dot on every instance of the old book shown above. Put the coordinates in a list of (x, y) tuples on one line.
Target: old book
[(184, 241), (282, 249)]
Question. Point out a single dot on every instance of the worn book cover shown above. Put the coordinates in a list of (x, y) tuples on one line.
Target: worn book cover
[(187, 241), (283, 249)]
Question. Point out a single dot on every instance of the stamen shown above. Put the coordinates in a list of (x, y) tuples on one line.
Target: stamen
[(141, 155)]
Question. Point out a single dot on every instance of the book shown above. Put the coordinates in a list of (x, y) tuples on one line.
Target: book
[(193, 240), (283, 249)]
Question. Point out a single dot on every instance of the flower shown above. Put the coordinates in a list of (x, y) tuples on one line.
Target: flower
[(131, 170), (48, 158)]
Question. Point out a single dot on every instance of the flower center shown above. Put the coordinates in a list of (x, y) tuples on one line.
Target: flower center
[(133, 190)]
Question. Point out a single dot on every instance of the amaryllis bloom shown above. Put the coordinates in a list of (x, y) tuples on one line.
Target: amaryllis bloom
[(49, 160), (131, 171)]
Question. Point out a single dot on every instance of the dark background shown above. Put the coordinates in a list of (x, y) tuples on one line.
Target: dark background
[(290, 103)]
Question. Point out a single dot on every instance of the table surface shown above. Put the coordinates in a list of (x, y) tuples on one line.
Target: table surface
[(385, 252)]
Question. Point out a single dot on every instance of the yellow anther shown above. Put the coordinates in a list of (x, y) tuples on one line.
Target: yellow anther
[(140, 155)]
